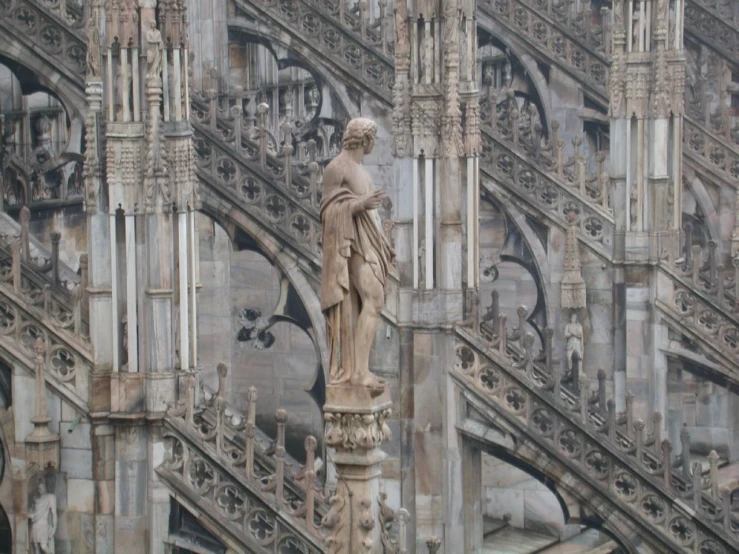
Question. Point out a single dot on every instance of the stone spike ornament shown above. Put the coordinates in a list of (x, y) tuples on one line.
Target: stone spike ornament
[(573, 285)]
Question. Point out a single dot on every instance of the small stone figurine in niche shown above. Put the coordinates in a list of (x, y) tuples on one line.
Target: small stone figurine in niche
[(43, 520)]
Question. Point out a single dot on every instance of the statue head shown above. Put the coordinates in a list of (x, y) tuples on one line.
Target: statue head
[(360, 133), (41, 488), (573, 317)]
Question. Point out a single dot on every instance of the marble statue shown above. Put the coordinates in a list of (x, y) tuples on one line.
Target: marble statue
[(43, 521), (574, 337), (618, 13), (154, 45), (402, 42), (635, 30), (356, 259), (93, 45)]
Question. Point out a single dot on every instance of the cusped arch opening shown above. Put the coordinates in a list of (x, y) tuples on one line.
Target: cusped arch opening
[(252, 318)]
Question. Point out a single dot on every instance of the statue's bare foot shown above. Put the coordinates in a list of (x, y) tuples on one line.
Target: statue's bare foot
[(375, 384)]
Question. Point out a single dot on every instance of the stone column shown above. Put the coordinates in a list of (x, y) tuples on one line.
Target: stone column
[(355, 429)]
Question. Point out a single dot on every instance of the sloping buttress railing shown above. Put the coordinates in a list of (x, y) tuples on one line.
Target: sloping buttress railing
[(615, 453)]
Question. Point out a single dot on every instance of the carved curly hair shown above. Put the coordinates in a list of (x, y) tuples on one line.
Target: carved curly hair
[(358, 130)]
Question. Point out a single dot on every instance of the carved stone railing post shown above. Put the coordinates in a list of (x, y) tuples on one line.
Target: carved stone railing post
[(403, 520), (697, 262), (262, 127), (685, 452), (639, 439), (25, 217), (602, 391), (611, 418), (584, 394), (222, 371), (548, 356), (713, 263), (237, 113), (47, 300), (493, 100), (310, 482), (250, 431), (355, 428), (16, 267), (657, 432), (713, 459), (667, 463), (697, 486), (629, 412), (514, 115), (56, 238), (281, 418), (313, 172), (84, 279), (287, 152), (212, 95), (502, 335), (726, 509)]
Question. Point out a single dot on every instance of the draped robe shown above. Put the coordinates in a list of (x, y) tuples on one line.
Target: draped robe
[(343, 235), (43, 523)]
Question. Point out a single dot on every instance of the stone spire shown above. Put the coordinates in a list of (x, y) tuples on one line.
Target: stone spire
[(573, 286), (42, 447)]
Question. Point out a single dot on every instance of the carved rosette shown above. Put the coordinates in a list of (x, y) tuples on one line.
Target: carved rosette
[(357, 432)]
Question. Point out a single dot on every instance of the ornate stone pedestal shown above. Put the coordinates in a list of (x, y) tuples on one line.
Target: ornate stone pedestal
[(42, 447), (355, 429)]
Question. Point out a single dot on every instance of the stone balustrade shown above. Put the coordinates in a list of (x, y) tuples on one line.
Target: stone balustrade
[(715, 22), (345, 33), (517, 154), (52, 26), (244, 166), (217, 460), (711, 152), (553, 29), (615, 453)]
